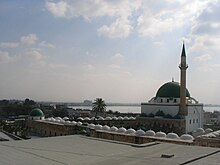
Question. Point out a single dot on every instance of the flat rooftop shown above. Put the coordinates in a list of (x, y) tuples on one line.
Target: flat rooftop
[(5, 137), (77, 149)]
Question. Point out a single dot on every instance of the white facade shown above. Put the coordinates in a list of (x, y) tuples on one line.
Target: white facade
[(36, 117), (149, 108), (174, 99), (194, 118)]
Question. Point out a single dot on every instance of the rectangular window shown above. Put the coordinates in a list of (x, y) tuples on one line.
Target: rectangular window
[(190, 121), (167, 100)]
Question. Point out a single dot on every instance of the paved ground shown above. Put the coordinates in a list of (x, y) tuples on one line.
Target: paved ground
[(77, 150)]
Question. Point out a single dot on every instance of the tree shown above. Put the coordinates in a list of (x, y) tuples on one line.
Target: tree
[(98, 106), (160, 113)]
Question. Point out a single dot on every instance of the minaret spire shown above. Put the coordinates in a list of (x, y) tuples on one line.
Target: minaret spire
[(183, 50), (183, 66)]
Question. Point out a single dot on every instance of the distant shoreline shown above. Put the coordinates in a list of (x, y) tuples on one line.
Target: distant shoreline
[(110, 104)]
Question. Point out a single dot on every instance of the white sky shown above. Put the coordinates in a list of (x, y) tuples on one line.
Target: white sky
[(120, 50)]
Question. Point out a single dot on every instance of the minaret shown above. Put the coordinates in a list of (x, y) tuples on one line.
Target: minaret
[(183, 66)]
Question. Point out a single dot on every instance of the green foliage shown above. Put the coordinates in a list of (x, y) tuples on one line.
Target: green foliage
[(15, 108), (60, 113), (98, 106), (160, 113), (177, 117), (151, 115), (168, 116), (110, 111), (143, 115), (29, 102)]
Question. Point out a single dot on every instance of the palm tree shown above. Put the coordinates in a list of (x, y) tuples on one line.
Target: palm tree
[(98, 106)]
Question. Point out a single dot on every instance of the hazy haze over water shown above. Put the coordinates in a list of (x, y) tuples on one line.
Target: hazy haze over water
[(137, 109)]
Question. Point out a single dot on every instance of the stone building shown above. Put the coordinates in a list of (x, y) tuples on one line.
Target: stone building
[(173, 100), (36, 114)]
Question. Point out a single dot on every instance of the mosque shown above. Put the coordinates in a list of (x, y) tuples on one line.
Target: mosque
[(172, 110), (173, 99)]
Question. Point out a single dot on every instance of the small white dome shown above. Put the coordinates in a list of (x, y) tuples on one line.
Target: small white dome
[(87, 118), (106, 128), (200, 130), (108, 118), (67, 122), (74, 123), (121, 130), (58, 118), (130, 131), (114, 118), (208, 130), (216, 133), (62, 121), (140, 132), (172, 136), (114, 129), (79, 123), (186, 137), (160, 134), (98, 127), (126, 118), (91, 125), (100, 118), (120, 118), (150, 133), (52, 119), (93, 118), (65, 118), (80, 118), (132, 118), (210, 135)]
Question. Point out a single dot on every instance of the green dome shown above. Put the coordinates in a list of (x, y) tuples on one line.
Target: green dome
[(36, 112), (170, 90)]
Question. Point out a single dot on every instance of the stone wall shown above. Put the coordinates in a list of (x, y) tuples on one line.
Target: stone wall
[(207, 142), (43, 128), (147, 123), (126, 138), (47, 129)]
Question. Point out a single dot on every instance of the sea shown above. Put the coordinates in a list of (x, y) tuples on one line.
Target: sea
[(137, 109)]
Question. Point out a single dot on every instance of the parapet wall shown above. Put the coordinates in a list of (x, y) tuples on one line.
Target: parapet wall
[(156, 124), (50, 129), (134, 139), (45, 128), (207, 142)]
